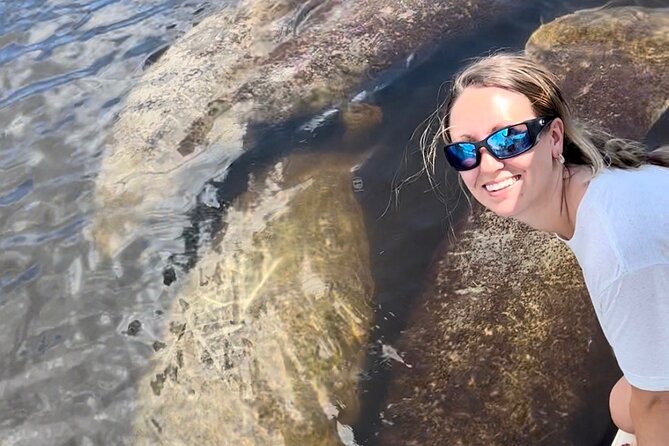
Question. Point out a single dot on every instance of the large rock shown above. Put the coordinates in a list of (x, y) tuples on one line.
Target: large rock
[(612, 63), (264, 342), (505, 348), (262, 63)]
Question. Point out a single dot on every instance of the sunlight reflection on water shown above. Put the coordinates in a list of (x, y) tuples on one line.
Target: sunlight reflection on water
[(65, 370)]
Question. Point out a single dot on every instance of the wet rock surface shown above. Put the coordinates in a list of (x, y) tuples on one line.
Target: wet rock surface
[(505, 347), (265, 339), (612, 63)]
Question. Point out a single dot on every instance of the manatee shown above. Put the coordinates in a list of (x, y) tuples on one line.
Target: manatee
[(505, 347), (265, 338), (258, 65)]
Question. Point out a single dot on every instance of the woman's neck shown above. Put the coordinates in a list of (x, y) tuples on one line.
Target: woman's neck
[(564, 197)]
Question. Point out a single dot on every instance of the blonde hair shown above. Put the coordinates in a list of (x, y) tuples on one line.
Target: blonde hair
[(583, 144)]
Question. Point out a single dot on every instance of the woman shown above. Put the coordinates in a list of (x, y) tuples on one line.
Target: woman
[(510, 134)]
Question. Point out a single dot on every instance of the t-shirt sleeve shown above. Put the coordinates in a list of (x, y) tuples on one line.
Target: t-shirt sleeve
[(635, 320)]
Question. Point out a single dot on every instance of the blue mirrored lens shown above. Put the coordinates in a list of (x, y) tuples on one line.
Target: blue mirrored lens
[(510, 141), (461, 156)]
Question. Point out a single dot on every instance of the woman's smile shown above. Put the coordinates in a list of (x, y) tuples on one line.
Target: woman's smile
[(495, 187)]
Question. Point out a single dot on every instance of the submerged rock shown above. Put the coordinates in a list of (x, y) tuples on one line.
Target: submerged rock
[(506, 348), (612, 63), (194, 111), (265, 340)]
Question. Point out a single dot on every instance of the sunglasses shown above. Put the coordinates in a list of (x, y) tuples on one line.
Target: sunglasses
[(503, 144)]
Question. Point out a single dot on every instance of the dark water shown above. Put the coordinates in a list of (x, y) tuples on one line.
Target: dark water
[(71, 351)]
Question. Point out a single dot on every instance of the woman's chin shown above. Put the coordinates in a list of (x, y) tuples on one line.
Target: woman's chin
[(504, 208), (507, 213)]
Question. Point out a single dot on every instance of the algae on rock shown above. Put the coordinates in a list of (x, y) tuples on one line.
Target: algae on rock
[(612, 63), (266, 337), (504, 346)]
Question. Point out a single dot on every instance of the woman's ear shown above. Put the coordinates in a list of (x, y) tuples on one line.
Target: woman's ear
[(556, 136)]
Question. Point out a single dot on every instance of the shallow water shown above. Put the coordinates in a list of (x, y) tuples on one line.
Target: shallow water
[(67, 370), (77, 332)]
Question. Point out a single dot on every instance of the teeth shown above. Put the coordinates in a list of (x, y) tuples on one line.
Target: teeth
[(501, 185)]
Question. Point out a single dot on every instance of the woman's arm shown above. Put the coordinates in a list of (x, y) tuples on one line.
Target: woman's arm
[(650, 416)]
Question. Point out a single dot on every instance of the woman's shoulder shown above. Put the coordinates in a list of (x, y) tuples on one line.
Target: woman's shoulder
[(627, 210), (622, 224), (621, 191), (634, 176)]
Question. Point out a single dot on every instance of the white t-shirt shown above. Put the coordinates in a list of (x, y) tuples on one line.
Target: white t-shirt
[(621, 241)]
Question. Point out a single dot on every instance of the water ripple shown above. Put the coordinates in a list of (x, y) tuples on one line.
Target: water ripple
[(13, 50), (67, 373), (10, 22), (8, 284), (48, 84), (32, 239), (19, 192)]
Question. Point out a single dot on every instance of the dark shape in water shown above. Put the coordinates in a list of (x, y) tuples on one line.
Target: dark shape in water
[(269, 327), (133, 328), (240, 62)]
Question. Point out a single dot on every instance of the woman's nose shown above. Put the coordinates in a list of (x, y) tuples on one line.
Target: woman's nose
[(488, 162)]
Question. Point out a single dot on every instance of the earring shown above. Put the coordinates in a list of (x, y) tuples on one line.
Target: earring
[(561, 158)]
